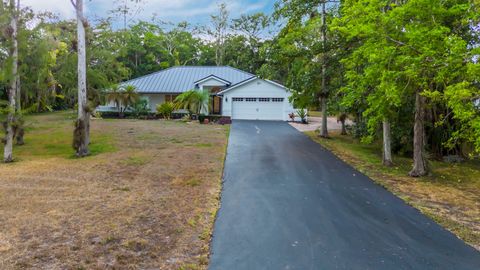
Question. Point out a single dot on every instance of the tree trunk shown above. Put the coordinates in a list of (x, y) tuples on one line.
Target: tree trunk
[(387, 142), (419, 160), (121, 115), (344, 128), (323, 95), (218, 61), (87, 130), (323, 128), (9, 131), (20, 130), (81, 136), (18, 104)]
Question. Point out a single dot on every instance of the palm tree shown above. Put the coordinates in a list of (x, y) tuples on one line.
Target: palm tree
[(123, 97), (115, 95), (130, 96), (185, 101), (203, 101), (196, 101)]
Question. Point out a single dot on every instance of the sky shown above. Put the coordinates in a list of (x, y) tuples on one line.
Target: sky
[(192, 11)]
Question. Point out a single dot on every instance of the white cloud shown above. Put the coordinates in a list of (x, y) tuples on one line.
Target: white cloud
[(170, 10), (61, 7)]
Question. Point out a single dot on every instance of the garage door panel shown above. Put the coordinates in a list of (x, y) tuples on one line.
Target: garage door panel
[(260, 109), (271, 111), (244, 110)]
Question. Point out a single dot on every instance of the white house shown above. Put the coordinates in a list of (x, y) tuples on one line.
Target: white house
[(234, 93)]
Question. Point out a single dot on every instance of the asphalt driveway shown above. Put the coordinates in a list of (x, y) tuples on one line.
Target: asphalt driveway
[(287, 203)]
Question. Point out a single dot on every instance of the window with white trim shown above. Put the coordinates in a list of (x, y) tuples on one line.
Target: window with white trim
[(250, 99), (237, 99), (264, 99), (277, 99)]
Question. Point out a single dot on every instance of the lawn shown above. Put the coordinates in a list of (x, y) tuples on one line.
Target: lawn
[(450, 195), (145, 199), (315, 113)]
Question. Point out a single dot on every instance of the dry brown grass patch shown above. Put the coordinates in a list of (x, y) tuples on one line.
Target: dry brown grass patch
[(119, 209)]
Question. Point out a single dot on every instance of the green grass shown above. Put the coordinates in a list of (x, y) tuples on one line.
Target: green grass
[(450, 195), (203, 145), (50, 135), (189, 266), (136, 160), (175, 140), (125, 189), (193, 182), (315, 113)]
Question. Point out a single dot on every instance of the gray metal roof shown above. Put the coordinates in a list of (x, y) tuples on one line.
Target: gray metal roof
[(182, 78)]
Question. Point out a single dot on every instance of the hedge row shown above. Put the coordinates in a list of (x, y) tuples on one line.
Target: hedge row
[(222, 120)]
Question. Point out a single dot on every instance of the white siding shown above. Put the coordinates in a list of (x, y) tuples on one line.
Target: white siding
[(211, 82), (259, 88), (153, 100)]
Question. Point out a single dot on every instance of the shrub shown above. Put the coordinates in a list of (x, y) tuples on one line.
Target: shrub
[(165, 110), (201, 118), (224, 120), (214, 118), (97, 115), (140, 108), (181, 115), (186, 118), (358, 129)]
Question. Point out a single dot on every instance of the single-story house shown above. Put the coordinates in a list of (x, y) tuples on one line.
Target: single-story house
[(234, 93)]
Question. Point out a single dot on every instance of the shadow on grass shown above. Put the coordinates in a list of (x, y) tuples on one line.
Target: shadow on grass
[(51, 134)]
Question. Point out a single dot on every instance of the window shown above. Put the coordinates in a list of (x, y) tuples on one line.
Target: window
[(277, 99), (264, 99), (170, 98), (249, 99), (237, 99)]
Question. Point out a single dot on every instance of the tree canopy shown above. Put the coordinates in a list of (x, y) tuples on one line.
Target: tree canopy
[(409, 65)]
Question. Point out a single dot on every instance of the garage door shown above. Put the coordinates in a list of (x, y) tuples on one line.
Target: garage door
[(257, 108)]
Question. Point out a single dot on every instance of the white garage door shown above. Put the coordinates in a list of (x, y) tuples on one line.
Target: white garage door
[(257, 108)]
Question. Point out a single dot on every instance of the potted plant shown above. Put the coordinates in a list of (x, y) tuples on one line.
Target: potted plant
[(292, 116), (302, 113), (201, 118)]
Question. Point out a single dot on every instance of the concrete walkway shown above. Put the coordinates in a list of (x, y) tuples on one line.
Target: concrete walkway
[(287, 203), (314, 123)]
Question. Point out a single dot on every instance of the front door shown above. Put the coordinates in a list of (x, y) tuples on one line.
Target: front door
[(217, 105)]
